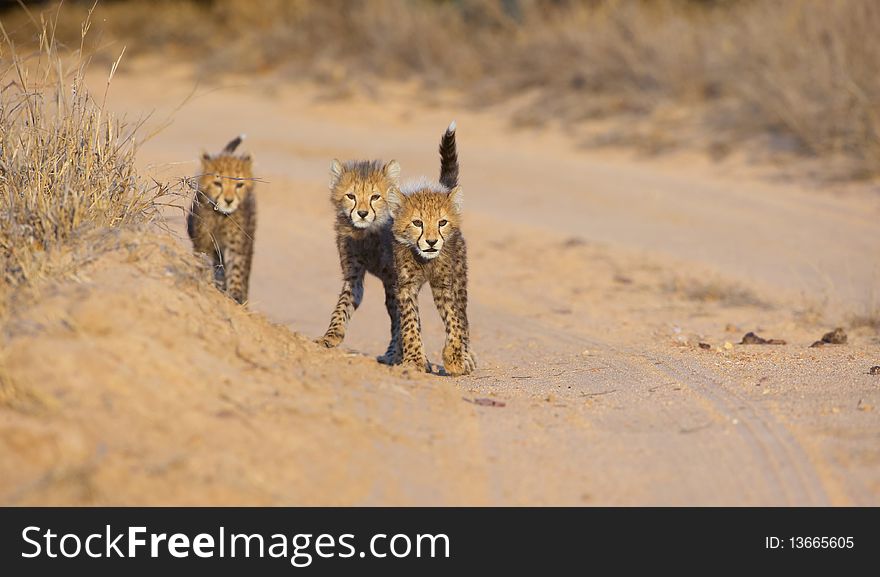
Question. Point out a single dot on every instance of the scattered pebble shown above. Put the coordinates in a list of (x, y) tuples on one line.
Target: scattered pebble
[(728, 345), (753, 339), (835, 337), (875, 370), (705, 346), (862, 406)]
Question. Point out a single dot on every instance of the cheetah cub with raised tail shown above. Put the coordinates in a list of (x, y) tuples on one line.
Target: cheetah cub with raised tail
[(223, 216), (429, 248), (359, 191)]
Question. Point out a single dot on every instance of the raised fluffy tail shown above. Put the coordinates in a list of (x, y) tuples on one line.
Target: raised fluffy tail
[(233, 144), (448, 158)]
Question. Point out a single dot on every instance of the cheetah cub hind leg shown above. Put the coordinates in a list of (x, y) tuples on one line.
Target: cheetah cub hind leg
[(392, 356)]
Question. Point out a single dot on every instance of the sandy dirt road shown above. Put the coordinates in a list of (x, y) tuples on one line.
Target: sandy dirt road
[(595, 276)]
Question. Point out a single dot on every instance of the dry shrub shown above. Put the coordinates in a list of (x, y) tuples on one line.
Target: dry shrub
[(803, 70), (799, 71), (66, 163), (594, 60), (809, 69), (338, 41)]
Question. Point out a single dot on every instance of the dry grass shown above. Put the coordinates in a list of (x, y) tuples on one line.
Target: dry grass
[(66, 164), (725, 293), (809, 70), (799, 76), (870, 320)]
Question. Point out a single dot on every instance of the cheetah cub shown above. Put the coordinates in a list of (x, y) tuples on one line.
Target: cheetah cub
[(222, 218), (359, 192), (429, 248)]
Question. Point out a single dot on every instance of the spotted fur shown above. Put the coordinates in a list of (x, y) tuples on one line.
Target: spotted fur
[(359, 192), (222, 218)]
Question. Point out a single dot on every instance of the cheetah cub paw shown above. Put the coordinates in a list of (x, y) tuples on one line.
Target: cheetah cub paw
[(330, 340), (418, 363), (458, 362)]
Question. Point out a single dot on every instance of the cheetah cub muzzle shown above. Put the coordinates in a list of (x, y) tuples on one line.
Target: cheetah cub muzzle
[(222, 218)]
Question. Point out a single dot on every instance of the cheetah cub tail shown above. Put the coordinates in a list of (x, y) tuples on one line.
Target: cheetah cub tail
[(449, 158), (233, 144)]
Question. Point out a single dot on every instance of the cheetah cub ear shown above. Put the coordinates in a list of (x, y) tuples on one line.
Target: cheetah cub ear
[(456, 196), (393, 200), (335, 172), (392, 171)]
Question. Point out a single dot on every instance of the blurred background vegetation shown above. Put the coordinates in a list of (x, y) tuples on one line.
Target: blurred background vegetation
[(798, 75)]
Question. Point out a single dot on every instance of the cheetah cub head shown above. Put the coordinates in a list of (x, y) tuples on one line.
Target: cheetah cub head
[(359, 191), (226, 179), (426, 214)]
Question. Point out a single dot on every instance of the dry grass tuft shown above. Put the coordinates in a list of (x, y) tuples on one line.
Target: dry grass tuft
[(715, 291), (66, 163)]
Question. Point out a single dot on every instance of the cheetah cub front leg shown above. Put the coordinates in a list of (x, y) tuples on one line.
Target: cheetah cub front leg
[(237, 270), (236, 285), (451, 302), (349, 300), (411, 328)]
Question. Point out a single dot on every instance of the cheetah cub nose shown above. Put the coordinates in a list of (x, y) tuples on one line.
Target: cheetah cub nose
[(431, 242), (363, 213)]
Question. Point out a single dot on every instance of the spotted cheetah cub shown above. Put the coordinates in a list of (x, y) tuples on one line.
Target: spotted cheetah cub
[(222, 218), (359, 192), (429, 248)]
